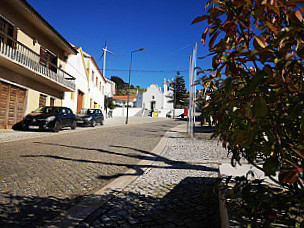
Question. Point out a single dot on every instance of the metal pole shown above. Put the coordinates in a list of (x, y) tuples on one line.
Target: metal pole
[(174, 104), (130, 84), (129, 89)]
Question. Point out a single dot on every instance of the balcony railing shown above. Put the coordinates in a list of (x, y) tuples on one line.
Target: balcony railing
[(24, 56)]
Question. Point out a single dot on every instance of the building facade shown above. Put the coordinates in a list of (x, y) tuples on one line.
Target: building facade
[(155, 98), (33, 58), (90, 85), (122, 101), (110, 88)]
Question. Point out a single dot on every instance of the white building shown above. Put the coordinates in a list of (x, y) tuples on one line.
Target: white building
[(123, 100), (90, 83), (155, 98), (97, 84), (110, 88)]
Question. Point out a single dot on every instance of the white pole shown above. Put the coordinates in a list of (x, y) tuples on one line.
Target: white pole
[(194, 81), (104, 61), (190, 97)]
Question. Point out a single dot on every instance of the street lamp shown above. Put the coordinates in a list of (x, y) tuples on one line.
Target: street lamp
[(129, 83)]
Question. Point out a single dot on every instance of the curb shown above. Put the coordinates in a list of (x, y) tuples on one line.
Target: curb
[(79, 212)]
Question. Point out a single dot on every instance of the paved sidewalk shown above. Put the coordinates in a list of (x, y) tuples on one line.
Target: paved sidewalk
[(176, 190)]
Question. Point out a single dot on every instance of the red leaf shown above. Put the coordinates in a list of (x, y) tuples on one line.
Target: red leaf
[(233, 68), (199, 19), (213, 38), (261, 41), (204, 36), (299, 15), (289, 176)]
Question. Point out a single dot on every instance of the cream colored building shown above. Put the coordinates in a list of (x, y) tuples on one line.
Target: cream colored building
[(33, 59)]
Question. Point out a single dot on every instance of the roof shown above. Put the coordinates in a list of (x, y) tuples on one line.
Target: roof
[(38, 17), (123, 97)]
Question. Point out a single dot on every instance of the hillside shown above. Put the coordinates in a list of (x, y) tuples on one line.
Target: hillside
[(122, 87)]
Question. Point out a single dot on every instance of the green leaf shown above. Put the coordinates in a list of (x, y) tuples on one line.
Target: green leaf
[(228, 85), (256, 80), (259, 107), (302, 126), (270, 166)]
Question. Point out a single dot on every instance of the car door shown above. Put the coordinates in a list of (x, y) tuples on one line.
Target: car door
[(97, 113), (63, 117), (70, 117)]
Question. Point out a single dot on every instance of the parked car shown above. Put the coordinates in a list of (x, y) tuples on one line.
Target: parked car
[(90, 116), (50, 118)]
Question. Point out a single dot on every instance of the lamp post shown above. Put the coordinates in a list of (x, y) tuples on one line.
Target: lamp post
[(129, 83)]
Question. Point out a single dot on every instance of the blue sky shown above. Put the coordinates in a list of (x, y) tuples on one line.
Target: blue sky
[(162, 27)]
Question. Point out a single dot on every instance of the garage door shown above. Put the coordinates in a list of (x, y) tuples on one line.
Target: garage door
[(12, 104)]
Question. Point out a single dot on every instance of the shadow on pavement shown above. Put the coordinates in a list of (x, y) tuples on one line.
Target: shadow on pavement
[(33, 211), (203, 129), (191, 203), (139, 169)]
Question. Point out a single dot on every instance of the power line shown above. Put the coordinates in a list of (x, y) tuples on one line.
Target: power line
[(150, 71)]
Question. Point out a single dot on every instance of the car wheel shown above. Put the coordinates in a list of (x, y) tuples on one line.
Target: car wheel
[(74, 124), (101, 122), (56, 126), (93, 123)]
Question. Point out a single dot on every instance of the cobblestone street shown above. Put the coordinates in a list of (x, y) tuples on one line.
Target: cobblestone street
[(175, 191), (42, 177), (142, 177)]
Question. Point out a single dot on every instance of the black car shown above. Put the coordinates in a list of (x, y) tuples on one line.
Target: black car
[(90, 116), (50, 118)]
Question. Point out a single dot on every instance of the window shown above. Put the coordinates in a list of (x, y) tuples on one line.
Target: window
[(48, 59), (96, 82), (153, 97), (99, 85), (92, 76), (8, 33)]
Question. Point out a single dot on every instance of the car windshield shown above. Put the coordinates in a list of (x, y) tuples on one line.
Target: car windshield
[(86, 111), (47, 110), (91, 111)]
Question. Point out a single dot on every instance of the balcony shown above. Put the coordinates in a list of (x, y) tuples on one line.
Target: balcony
[(36, 66)]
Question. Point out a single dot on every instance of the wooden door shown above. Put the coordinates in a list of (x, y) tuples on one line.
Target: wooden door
[(79, 100), (52, 101), (12, 104)]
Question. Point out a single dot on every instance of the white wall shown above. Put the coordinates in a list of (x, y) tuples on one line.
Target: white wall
[(153, 91), (123, 111), (96, 92), (139, 100), (163, 112), (75, 67), (110, 88)]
